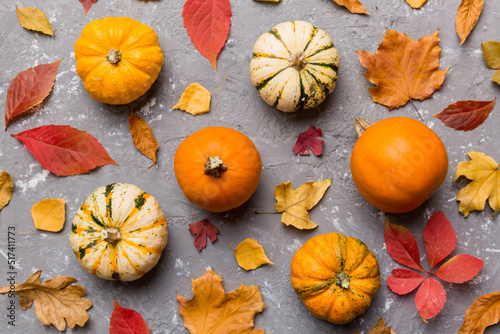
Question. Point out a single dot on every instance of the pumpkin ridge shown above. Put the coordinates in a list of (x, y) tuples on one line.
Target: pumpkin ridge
[(266, 55), (314, 31), (134, 266), (143, 248), (265, 81), (332, 66), (83, 250), (97, 263), (276, 34), (155, 224), (321, 49)]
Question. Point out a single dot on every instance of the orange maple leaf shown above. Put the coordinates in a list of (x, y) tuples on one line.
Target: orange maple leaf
[(403, 69)]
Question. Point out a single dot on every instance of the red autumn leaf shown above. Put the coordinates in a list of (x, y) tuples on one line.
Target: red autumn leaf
[(430, 298), (64, 150), (466, 115), (29, 88), (460, 268), (87, 4), (126, 321), (439, 238), (401, 245), (403, 281), (307, 140), (202, 230), (207, 23)]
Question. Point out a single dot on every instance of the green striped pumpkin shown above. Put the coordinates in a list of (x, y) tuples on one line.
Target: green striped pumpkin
[(119, 232), (294, 65)]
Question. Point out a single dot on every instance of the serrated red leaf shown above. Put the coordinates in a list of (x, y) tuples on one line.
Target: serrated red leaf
[(207, 23), (439, 238), (29, 88), (401, 245), (307, 140), (403, 281), (460, 268), (202, 230), (87, 4), (126, 321), (466, 115), (430, 298), (64, 150)]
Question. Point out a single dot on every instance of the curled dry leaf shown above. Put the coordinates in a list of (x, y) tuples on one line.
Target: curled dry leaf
[(211, 310), (56, 300), (126, 321), (466, 115), (491, 54), (6, 188), (142, 136), (307, 140), (195, 100), (34, 19), (250, 254), (467, 16), (354, 6), (484, 312), (49, 214), (416, 3), (87, 4), (483, 171), (203, 229)]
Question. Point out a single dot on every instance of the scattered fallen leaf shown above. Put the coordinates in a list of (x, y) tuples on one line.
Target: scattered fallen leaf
[(440, 240), (250, 254), (142, 136), (294, 204), (268, 0), (307, 140), (466, 115), (403, 69), (483, 171), (211, 310), (491, 54), (29, 88), (380, 328), (416, 3), (87, 4), (64, 150), (467, 16), (484, 312), (6, 188), (49, 214), (126, 321), (56, 300), (207, 23), (203, 229), (354, 6), (34, 19), (195, 100)]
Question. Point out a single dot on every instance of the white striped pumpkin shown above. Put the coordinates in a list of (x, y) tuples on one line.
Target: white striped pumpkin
[(294, 65), (119, 232)]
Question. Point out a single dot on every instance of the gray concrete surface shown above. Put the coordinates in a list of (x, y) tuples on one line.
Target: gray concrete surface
[(237, 105)]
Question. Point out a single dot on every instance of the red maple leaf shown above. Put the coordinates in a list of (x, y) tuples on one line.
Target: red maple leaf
[(126, 321), (202, 230), (87, 4), (466, 115), (307, 140), (207, 23), (440, 240), (64, 150)]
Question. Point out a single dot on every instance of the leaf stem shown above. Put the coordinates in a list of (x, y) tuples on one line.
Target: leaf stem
[(414, 106), (223, 82), (290, 137)]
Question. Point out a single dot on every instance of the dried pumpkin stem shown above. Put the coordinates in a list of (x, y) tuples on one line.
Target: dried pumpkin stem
[(298, 61), (114, 56), (214, 166), (342, 280), (111, 235), (361, 124)]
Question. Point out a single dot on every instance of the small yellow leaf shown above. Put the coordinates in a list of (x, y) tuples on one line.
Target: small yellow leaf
[(34, 19), (295, 203), (416, 3), (250, 254), (483, 171), (5, 189), (49, 214), (195, 100), (496, 77)]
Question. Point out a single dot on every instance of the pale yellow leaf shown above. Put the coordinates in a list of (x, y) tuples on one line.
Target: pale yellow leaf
[(195, 100), (250, 254), (5, 189), (49, 214), (467, 16), (496, 77), (484, 312), (416, 3), (491, 54), (483, 171), (34, 19), (295, 203)]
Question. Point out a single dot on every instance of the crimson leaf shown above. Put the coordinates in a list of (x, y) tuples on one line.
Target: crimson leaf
[(460, 268), (439, 238), (307, 140), (87, 4), (401, 245), (202, 230), (466, 115), (403, 281), (430, 298), (126, 321)]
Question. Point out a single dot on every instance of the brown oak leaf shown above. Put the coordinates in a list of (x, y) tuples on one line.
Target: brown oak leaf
[(142, 136), (466, 115)]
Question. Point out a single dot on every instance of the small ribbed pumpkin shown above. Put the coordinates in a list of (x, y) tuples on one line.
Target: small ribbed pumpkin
[(335, 276), (294, 65), (118, 59), (119, 232)]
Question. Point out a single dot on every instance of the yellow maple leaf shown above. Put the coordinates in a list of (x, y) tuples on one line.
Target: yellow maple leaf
[(250, 254), (483, 171), (5, 189), (295, 203), (484, 312), (211, 310), (195, 100), (49, 214), (34, 19)]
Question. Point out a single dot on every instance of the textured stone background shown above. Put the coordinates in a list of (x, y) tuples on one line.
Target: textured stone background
[(238, 105)]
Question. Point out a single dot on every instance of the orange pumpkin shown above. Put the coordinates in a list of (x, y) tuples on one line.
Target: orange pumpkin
[(217, 168), (335, 276), (398, 163), (118, 59)]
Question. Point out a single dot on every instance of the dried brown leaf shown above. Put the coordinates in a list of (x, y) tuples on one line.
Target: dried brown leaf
[(6, 188), (142, 136), (484, 312)]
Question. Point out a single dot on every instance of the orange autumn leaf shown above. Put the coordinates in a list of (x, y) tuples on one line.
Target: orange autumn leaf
[(354, 6), (142, 136), (484, 312), (211, 310), (403, 69), (467, 16)]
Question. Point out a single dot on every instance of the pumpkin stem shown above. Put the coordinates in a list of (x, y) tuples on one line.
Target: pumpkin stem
[(361, 124), (298, 61), (114, 56), (111, 235), (214, 166), (342, 280)]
